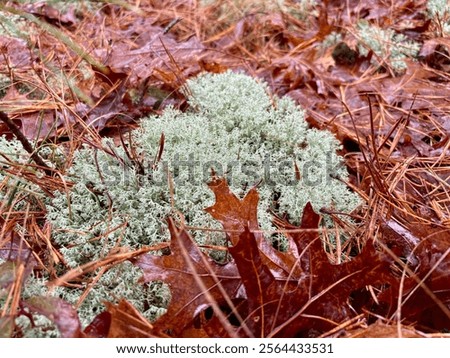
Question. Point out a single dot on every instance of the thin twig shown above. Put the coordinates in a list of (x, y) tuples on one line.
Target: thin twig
[(25, 143)]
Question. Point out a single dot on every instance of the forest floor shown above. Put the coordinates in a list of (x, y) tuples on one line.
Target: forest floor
[(374, 73)]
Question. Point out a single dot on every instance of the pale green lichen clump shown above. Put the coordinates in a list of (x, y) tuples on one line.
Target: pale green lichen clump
[(439, 12), (331, 39), (236, 129), (121, 281), (388, 46), (15, 191)]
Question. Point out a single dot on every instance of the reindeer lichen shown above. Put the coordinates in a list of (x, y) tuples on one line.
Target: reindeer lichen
[(439, 12), (235, 128), (389, 48)]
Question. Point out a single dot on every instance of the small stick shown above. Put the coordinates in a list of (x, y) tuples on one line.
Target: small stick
[(172, 24), (25, 143)]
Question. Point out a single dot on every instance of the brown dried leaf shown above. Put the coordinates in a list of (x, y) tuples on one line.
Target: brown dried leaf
[(332, 285), (266, 273), (51, 14), (273, 306), (427, 303), (127, 322), (187, 297), (259, 283), (237, 215), (234, 214), (61, 313), (429, 46)]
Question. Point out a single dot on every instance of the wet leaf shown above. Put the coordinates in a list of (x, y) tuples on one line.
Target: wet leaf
[(100, 325), (187, 297), (427, 302), (280, 300), (60, 312), (259, 283), (234, 214), (331, 286), (52, 14), (125, 321)]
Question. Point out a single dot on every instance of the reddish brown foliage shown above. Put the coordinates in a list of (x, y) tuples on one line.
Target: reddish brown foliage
[(395, 132), (309, 297), (121, 320), (186, 264), (426, 287)]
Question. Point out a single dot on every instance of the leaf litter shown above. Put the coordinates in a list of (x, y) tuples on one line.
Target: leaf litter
[(395, 134)]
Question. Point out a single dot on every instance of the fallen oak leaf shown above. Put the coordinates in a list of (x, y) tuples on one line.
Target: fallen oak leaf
[(425, 287), (120, 320), (260, 285), (426, 291), (331, 300), (236, 215), (306, 239), (188, 299), (270, 278), (317, 278)]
